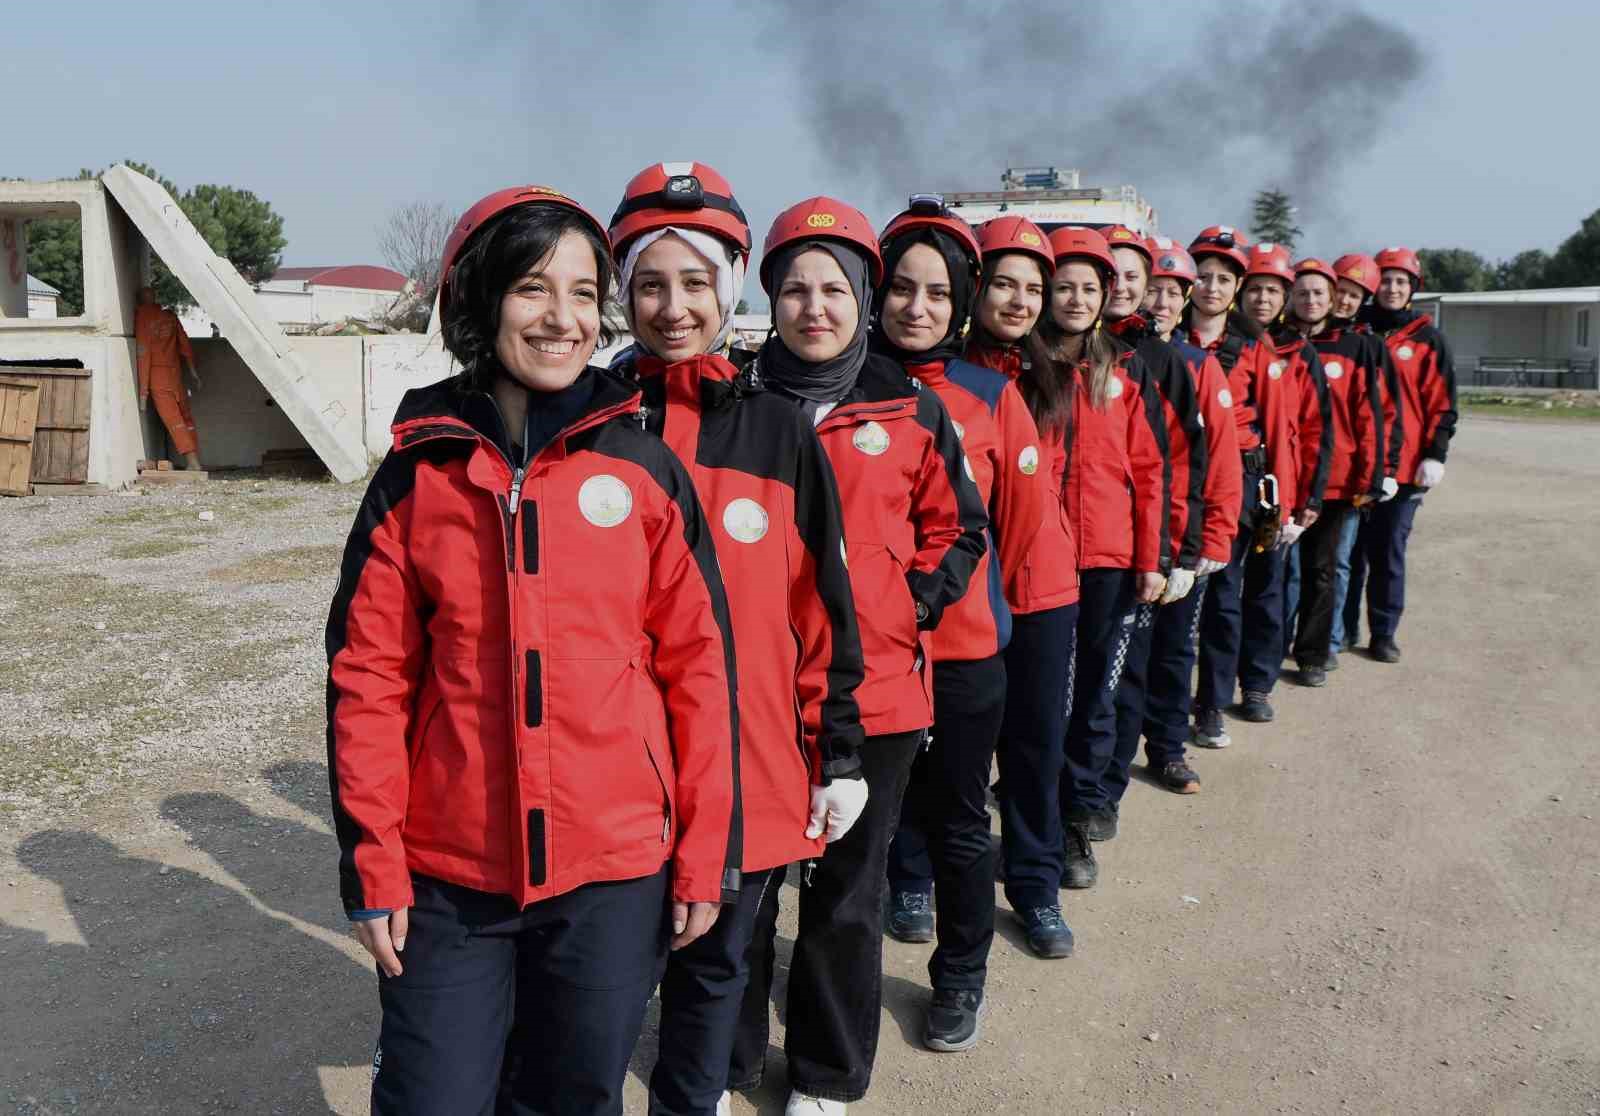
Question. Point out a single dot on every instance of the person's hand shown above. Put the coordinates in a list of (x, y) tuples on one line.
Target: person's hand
[(1208, 566), (1149, 587), (1289, 535), (1179, 582), (836, 807), (1307, 517), (690, 920), (1430, 472), (385, 939), (1390, 487)]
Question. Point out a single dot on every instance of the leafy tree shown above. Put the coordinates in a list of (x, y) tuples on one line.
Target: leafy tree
[(1524, 271), (1273, 219), (412, 242), (1577, 262), (1454, 269), (742, 307)]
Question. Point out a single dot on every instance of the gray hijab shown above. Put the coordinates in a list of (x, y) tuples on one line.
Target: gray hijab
[(830, 380)]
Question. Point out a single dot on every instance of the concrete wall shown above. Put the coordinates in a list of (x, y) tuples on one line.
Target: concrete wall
[(394, 364), (13, 267)]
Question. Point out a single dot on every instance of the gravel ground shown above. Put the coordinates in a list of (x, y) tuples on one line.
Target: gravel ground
[(1387, 901)]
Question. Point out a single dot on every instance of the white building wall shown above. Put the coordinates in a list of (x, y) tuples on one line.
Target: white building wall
[(395, 363), (333, 304), (42, 306)]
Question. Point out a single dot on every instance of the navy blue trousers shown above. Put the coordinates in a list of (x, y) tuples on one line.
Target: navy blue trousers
[(1154, 697), (1241, 620), (541, 1005), (1105, 630), (1032, 753), (1380, 559), (1319, 555)]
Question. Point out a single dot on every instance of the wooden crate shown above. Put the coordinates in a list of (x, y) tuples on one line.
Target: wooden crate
[(19, 411), (61, 441)]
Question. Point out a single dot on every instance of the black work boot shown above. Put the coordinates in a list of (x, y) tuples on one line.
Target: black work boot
[(1313, 675), (1081, 869), (1103, 824), (911, 916), (1385, 649), (1177, 776), (955, 1019), (1049, 936), (1208, 731), (1255, 708)]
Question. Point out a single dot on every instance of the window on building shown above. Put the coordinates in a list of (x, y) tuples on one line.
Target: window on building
[(41, 262), (1583, 329)]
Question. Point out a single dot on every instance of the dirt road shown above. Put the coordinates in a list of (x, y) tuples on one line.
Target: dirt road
[(1388, 901)]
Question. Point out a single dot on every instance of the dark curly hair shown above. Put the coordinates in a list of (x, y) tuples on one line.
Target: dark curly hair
[(504, 250)]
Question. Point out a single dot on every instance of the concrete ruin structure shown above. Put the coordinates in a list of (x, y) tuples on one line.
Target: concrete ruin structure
[(261, 391)]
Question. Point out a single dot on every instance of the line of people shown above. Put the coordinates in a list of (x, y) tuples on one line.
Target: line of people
[(613, 649)]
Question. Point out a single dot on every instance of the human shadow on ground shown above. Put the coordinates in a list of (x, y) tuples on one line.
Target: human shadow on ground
[(184, 997)]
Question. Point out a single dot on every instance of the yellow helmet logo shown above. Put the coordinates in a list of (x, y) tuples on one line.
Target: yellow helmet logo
[(1122, 234), (1029, 239), (821, 220), (1356, 272)]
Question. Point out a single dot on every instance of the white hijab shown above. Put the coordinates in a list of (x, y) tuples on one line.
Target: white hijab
[(728, 271)]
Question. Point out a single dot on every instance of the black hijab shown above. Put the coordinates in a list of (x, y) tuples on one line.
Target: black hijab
[(962, 293), (830, 380)]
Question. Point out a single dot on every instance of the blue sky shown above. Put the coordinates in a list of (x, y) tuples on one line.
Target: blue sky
[(339, 113)]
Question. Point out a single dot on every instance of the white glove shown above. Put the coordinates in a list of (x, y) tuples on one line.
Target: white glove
[(1430, 473), (1390, 487), (837, 806), (1209, 566), (1290, 534), (1179, 582)]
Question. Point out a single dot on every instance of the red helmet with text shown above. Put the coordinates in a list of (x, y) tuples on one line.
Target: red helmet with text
[(1169, 260), (822, 218), (1360, 269), (1000, 235), (687, 195), (1403, 259), (1121, 236), (928, 211), (1223, 241), (491, 206), (1077, 242), (1271, 260), (1314, 265)]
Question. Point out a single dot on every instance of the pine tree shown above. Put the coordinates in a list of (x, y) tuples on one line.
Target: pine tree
[(1273, 219)]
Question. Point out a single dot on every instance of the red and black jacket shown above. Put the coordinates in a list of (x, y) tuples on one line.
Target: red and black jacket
[(1116, 472), (530, 670), (1224, 485), (1262, 405), (1350, 367), (1184, 430), (913, 527), (1046, 576), (1426, 375), (1394, 430), (773, 507), (1312, 426), (1002, 457)]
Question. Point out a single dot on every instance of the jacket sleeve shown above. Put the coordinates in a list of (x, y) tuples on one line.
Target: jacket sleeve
[(185, 350), (1438, 391), (823, 614), (1224, 491), (1152, 471), (375, 644), (1367, 421), (1021, 483), (1394, 431), (1184, 403), (1316, 431), (686, 618), (1275, 398), (948, 516)]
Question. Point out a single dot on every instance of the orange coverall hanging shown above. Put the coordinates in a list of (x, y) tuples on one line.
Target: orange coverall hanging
[(162, 346)]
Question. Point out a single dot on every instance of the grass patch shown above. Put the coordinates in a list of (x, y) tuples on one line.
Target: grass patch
[(294, 564), (163, 547), (72, 536), (1569, 405)]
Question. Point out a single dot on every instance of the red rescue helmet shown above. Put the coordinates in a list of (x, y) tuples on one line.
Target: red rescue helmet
[(1360, 269), (928, 211), (1170, 260), (1000, 235), (1223, 241), (1312, 265), (1121, 236), (486, 208), (822, 218), (688, 195), (1076, 242), (1271, 260), (1403, 259)]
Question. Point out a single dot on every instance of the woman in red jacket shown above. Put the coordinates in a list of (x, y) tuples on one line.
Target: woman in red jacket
[(931, 259), (1115, 499), (760, 472), (1042, 594), (528, 762), (914, 533)]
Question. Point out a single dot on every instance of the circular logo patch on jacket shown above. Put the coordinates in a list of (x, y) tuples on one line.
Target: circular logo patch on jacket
[(1225, 397), (1333, 370), (745, 520), (1275, 370), (1114, 388), (1028, 460), (961, 431), (871, 439), (604, 500), (1404, 352)]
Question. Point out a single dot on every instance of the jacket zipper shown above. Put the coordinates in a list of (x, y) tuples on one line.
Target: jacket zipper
[(666, 799)]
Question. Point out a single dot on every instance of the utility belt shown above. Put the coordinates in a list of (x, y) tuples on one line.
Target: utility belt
[(1255, 460)]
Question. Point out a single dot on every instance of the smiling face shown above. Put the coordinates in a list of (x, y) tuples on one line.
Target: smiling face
[(1263, 298), (815, 311), (674, 292), (1013, 297), (1076, 296), (550, 318), (1164, 303), (1312, 298), (1133, 273), (1347, 298), (1218, 286), (917, 308), (1394, 289)]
